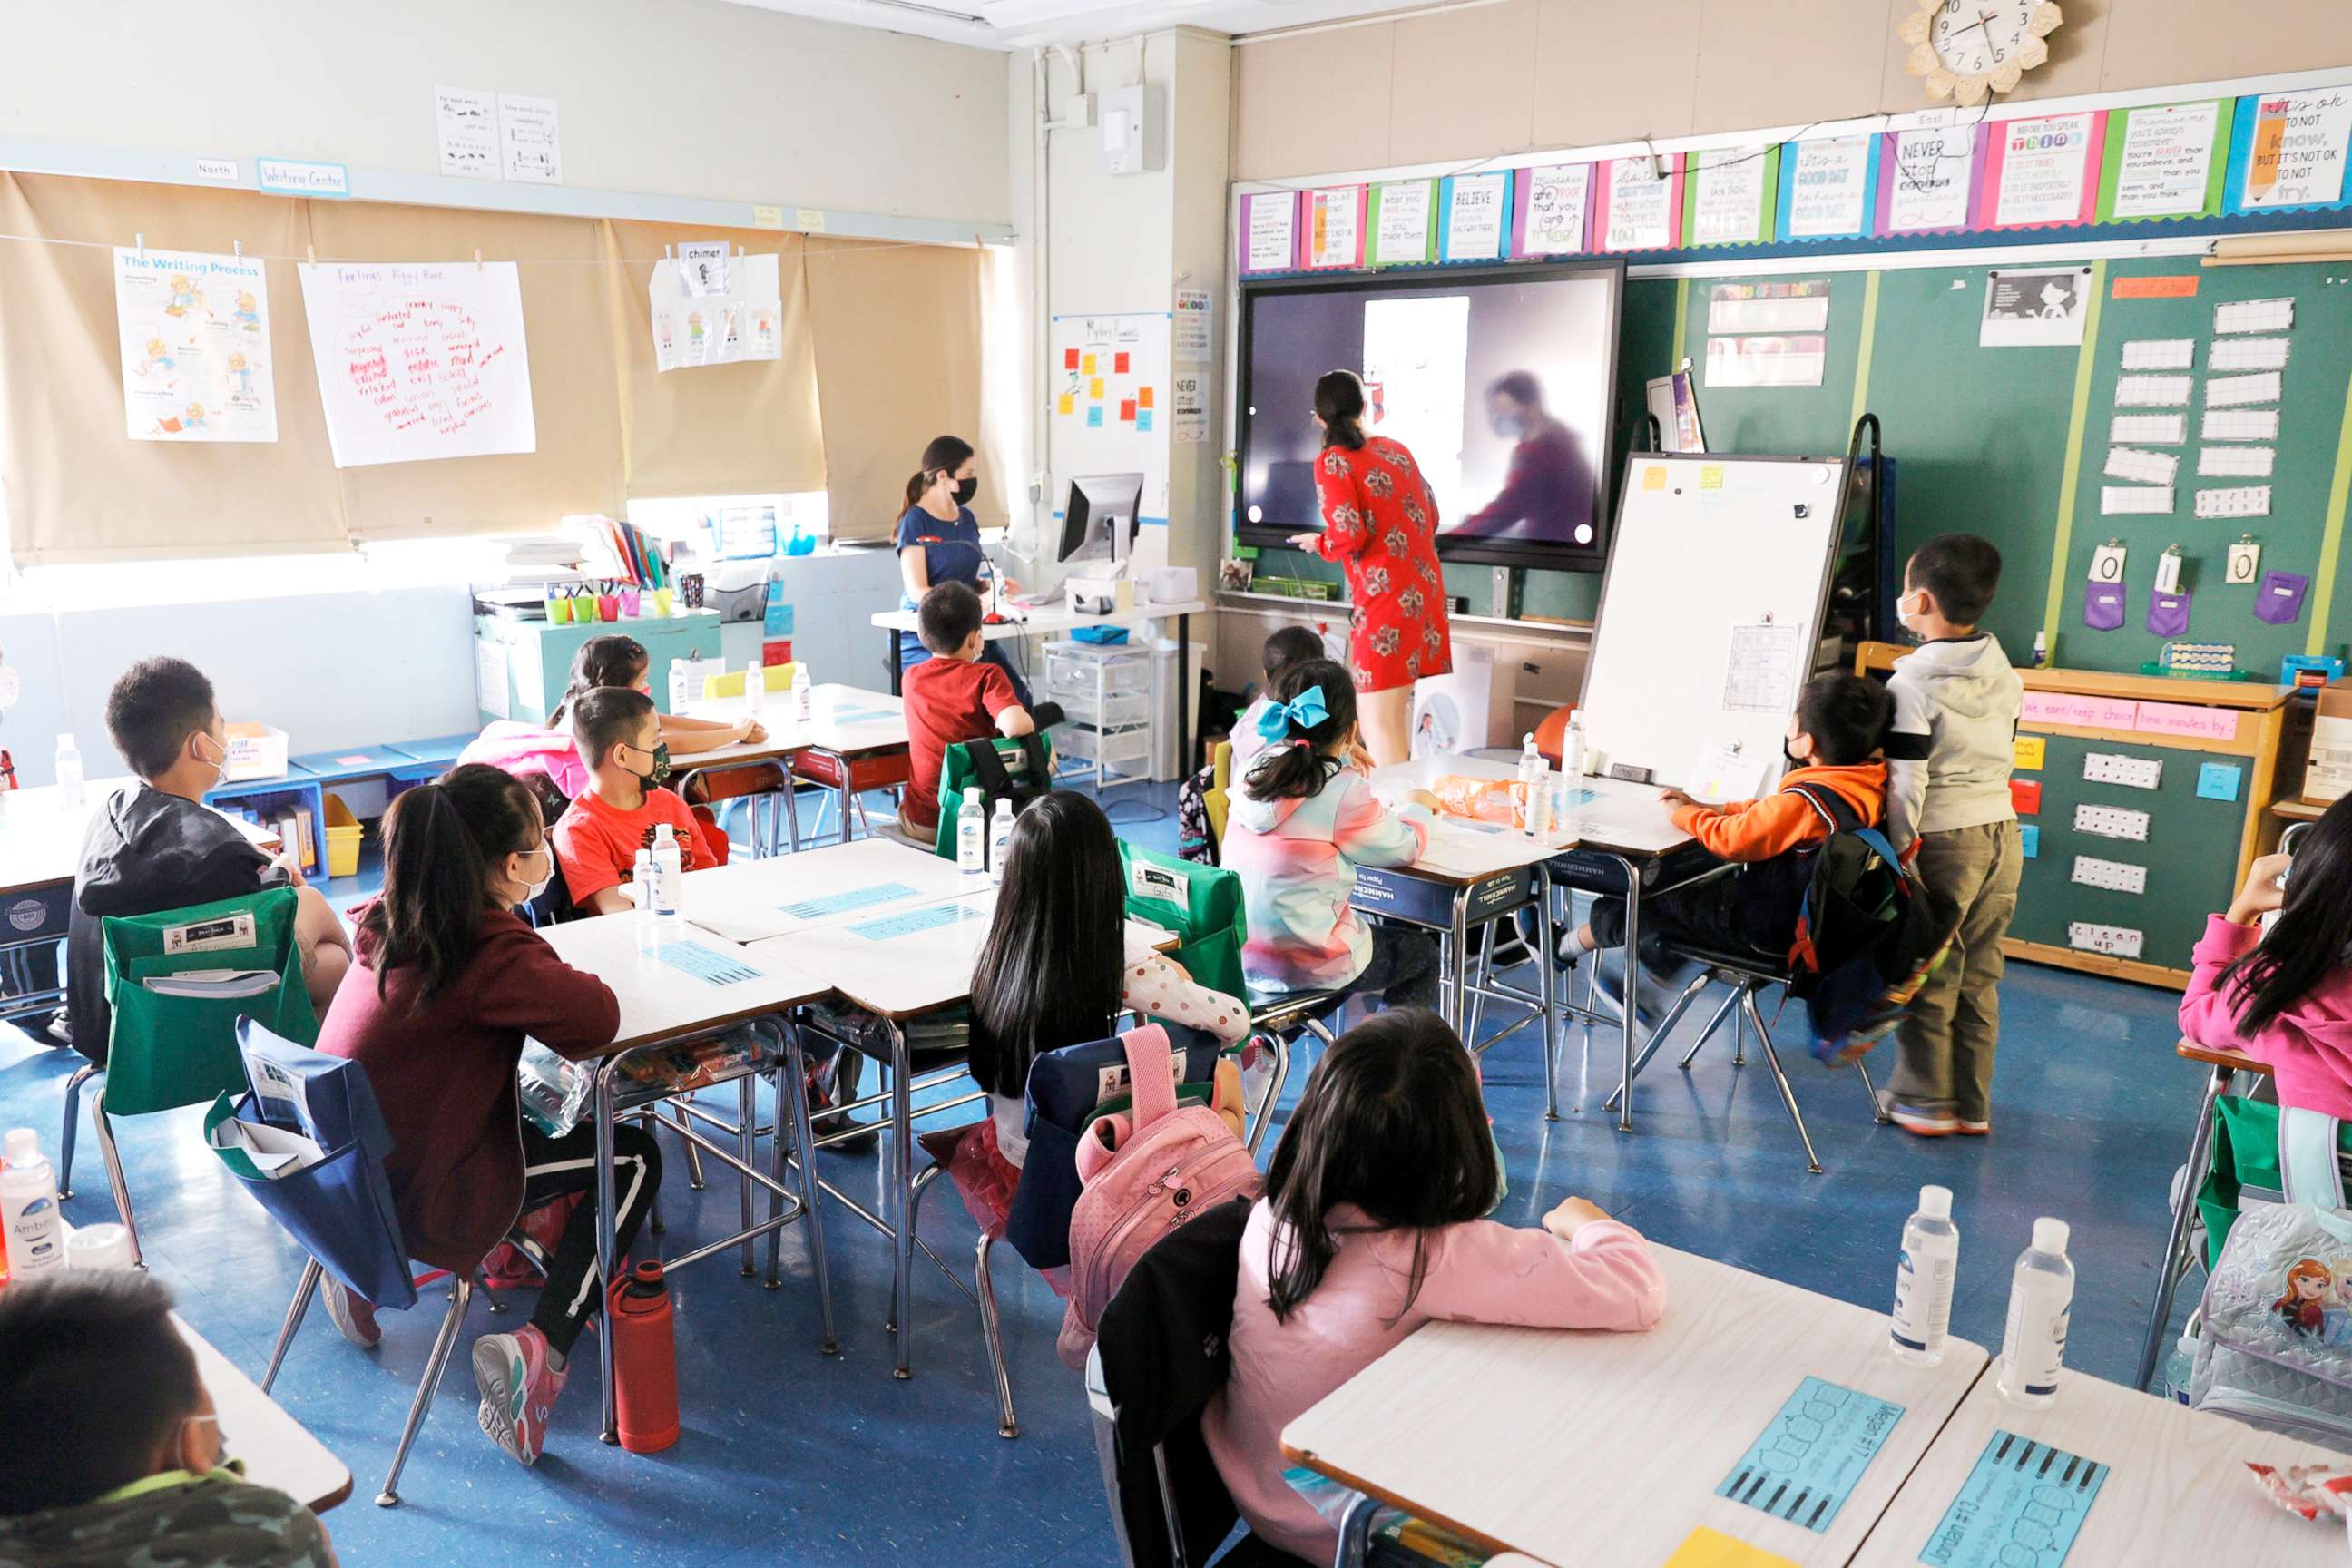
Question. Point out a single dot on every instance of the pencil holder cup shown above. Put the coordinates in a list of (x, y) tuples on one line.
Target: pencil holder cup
[(629, 603), (608, 606), (661, 603), (559, 611)]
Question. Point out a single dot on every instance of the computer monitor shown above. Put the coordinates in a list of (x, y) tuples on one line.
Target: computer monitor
[(1099, 519)]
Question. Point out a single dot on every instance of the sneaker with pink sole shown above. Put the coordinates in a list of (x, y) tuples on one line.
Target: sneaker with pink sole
[(519, 1390)]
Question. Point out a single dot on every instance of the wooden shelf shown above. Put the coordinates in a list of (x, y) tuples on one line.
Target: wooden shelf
[(2296, 810)]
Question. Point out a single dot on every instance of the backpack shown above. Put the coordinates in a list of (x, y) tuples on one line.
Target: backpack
[(982, 762), (1869, 932), (1144, 1175), (1194, 842)]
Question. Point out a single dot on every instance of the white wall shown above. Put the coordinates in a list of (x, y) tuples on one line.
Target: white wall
[(671, 97)]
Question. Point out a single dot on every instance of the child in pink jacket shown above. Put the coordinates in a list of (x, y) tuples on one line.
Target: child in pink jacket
[(1368, 1228), (2287, 1002), (1301, 823)]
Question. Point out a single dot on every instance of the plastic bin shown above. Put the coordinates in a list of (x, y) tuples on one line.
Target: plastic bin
[(254, 751), (1070, 666), (1123, 749), (344, 836), (1115, 710)]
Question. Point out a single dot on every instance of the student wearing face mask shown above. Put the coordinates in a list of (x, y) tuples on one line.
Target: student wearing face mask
[(155, 845), (618, 736), (449, 982), (1547, 493), (938, 541)]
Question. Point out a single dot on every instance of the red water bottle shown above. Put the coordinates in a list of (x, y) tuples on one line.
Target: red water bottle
[(644, 1359)]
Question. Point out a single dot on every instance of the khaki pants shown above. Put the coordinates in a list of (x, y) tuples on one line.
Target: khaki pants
[(1945, 1045)]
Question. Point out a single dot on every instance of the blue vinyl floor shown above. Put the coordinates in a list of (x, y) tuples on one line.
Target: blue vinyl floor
[(791, 1458)]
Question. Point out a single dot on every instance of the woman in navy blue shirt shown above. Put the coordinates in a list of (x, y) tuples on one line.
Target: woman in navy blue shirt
[(938, 541)]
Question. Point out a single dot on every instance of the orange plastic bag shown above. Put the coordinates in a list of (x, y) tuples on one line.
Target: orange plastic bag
[(1480, 800)]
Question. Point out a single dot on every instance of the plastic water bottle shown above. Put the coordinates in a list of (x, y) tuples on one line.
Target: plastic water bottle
[(971, 829), (999, 839), (647, 881), (71, 781), (755, 687), (1535, 789), (669, 878), (2180, 1368), (28, 1208), (679, 695), (2041, 1301), (1572, 750), (804, 693), (1922, 1280)]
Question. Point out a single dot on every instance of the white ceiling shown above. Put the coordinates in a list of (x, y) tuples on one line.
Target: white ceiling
[(1024, 24)]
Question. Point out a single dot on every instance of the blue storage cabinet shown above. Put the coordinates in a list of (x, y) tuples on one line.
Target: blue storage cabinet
[(531, 660)]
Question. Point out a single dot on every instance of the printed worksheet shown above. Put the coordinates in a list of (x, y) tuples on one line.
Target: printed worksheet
[(2246, 500), (1760, 674)]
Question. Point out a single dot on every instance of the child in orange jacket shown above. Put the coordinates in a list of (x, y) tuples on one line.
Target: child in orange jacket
[(1834, 737)]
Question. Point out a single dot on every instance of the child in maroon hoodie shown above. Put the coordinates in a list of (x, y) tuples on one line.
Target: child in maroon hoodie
[(448, 982), (2286, 997)]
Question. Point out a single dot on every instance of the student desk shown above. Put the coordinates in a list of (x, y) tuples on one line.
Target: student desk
[(662, 1006), (855, 740), (2177, 1495), (759, 901), (1553, 1443), (277, 1451), (1057, 619)]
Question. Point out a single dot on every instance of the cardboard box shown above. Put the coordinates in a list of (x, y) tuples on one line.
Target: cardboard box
[(2330, 773), (1468, 708)]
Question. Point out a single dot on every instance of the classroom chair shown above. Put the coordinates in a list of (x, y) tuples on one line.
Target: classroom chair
[(1018, 770), (166, 1051), (1746, 974), (1201, 904), (1217, 801)]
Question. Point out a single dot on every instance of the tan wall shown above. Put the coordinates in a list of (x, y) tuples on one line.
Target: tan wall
[(1530, 74)]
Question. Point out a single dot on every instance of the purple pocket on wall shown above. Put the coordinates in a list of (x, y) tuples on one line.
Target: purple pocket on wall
[(2279, 600), (2168, 614), (2103, 606)]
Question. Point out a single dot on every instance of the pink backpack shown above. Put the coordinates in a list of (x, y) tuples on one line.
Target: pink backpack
[(1144, 1175)]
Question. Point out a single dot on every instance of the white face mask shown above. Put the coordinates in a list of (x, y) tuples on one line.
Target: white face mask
[(540, 886), (220, 768)]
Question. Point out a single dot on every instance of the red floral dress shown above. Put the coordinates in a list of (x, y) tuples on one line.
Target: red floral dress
[(1380, 523)]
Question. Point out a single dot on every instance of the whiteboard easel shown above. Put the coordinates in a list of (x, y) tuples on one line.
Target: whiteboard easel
[(1711, 609)]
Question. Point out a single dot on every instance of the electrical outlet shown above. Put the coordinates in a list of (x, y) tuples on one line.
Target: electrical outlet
[(2132, 773), (2116, 941), (2112, 822), (2118, 875)]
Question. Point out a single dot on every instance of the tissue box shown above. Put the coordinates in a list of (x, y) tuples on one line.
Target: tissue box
[(1172, 585), (1099, 595)]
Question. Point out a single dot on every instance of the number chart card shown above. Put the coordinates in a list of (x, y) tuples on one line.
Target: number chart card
[(418, 362), (195, 330)]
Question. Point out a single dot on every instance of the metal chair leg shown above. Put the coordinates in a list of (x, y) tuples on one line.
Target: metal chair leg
[(2176, 1241), (794, 1081), (1356, 1533), (1877, 1106), (915, 1191), (1730, 1002), (1010, 1426), (1739, 1040), (1263, 1118), (426, 1386), (72, 1129), (693, 1155), (104, 1126), (311, 1269), (1772, 1058), (746, 1120), (1666, 1025), (1481, 971), (646, 1123)]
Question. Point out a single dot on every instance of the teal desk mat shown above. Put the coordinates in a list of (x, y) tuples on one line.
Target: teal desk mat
[(842, 902), (913, 920), (2019, 1508), (1809, 1456), (705, 963)]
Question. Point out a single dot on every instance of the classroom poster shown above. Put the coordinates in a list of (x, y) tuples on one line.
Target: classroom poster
[(195, 330), (1403, 216), (1192, 337), (1773, 307), (420, 362), (1554, 210), (466, 124), (2042, 307), (1927, 182), (1640, 206), (2287, 149), (1269, 238), (1110, 401), (1726, 193), (2040, 171), (740, 320), (1477, 216), (2161, 162), (1331, 227), (1772, 360), (1827, 192), (529, 149)]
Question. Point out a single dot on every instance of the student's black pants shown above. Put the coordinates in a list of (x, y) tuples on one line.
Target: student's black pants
[(554, 1166)]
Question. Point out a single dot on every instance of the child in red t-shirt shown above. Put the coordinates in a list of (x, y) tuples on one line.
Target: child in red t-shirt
[(950, 697), (618, 736)]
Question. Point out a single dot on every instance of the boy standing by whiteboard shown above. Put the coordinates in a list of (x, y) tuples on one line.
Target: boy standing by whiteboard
[(1949, 750)]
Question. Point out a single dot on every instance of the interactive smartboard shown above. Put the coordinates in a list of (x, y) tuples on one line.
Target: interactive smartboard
[(1710, 616)]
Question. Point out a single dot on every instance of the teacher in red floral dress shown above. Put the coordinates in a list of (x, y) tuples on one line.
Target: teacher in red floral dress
[(1380, 523)]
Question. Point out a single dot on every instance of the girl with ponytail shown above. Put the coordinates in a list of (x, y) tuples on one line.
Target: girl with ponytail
[(1305, 821), (449, 982), (938, 541)]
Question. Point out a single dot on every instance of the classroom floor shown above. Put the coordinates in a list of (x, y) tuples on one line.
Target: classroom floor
[(789, 1459)]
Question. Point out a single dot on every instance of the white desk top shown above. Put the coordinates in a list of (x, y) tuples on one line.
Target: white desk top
[(1055, 618), (1463, 851), (846, 719), (660, 1002), (2177, 1495), (1545, 1442), (41, 836), (1618, 816), (746, 900), (277, 1449)]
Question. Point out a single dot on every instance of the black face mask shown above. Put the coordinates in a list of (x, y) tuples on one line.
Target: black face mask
[(965, 490)]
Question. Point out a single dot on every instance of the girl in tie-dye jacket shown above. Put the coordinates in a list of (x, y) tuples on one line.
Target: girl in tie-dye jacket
[(1302, 823)]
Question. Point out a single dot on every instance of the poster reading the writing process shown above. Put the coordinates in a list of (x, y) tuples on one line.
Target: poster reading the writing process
[(2288, 150), (420, 363), (738, 320), (195, 347)]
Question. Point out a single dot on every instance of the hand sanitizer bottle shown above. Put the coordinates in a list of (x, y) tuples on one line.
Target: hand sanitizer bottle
[(647, 883), (29, 1209), (669, 878), (999, 839), (679, 695), (755, 688), (804, 693), (1922, 1280), (1535, 789), (1572, 750), (71, 785), (971, 829), (2041, 1301)]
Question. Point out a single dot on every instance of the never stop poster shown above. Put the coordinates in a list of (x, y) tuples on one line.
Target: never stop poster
[(420, 362)]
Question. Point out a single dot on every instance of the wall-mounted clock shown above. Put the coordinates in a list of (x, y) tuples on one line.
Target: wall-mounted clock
[(1966, 47)]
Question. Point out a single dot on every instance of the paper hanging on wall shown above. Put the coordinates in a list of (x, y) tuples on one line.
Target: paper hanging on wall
[(1760, 671), (1640, 212), (2045, 169), (2235, 462), (1403, 221), (1333, 219), (2255, 316), (1769, 360), (742, 322), (1188, 391), (2160, 353), (465, 123), (492, 690), (1801, 307), (2040, 308), (2240, 424), (2152, 391), (2246, 500), (1555, 212), (1477, 216), (2148, 429), (2135, 501), (1189, 334), (2291, 149), (1930, 182), (195, 335), (529, 149), (2160, 161), (2230, 391), (2245, 563), (1826, 191), (1727, 190), (702, 266), (2141, 468), (2077, 710), (417, 363), (1269, 231), (2107, 562), (2249, 353), (1723, 775), (2168, 572)]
